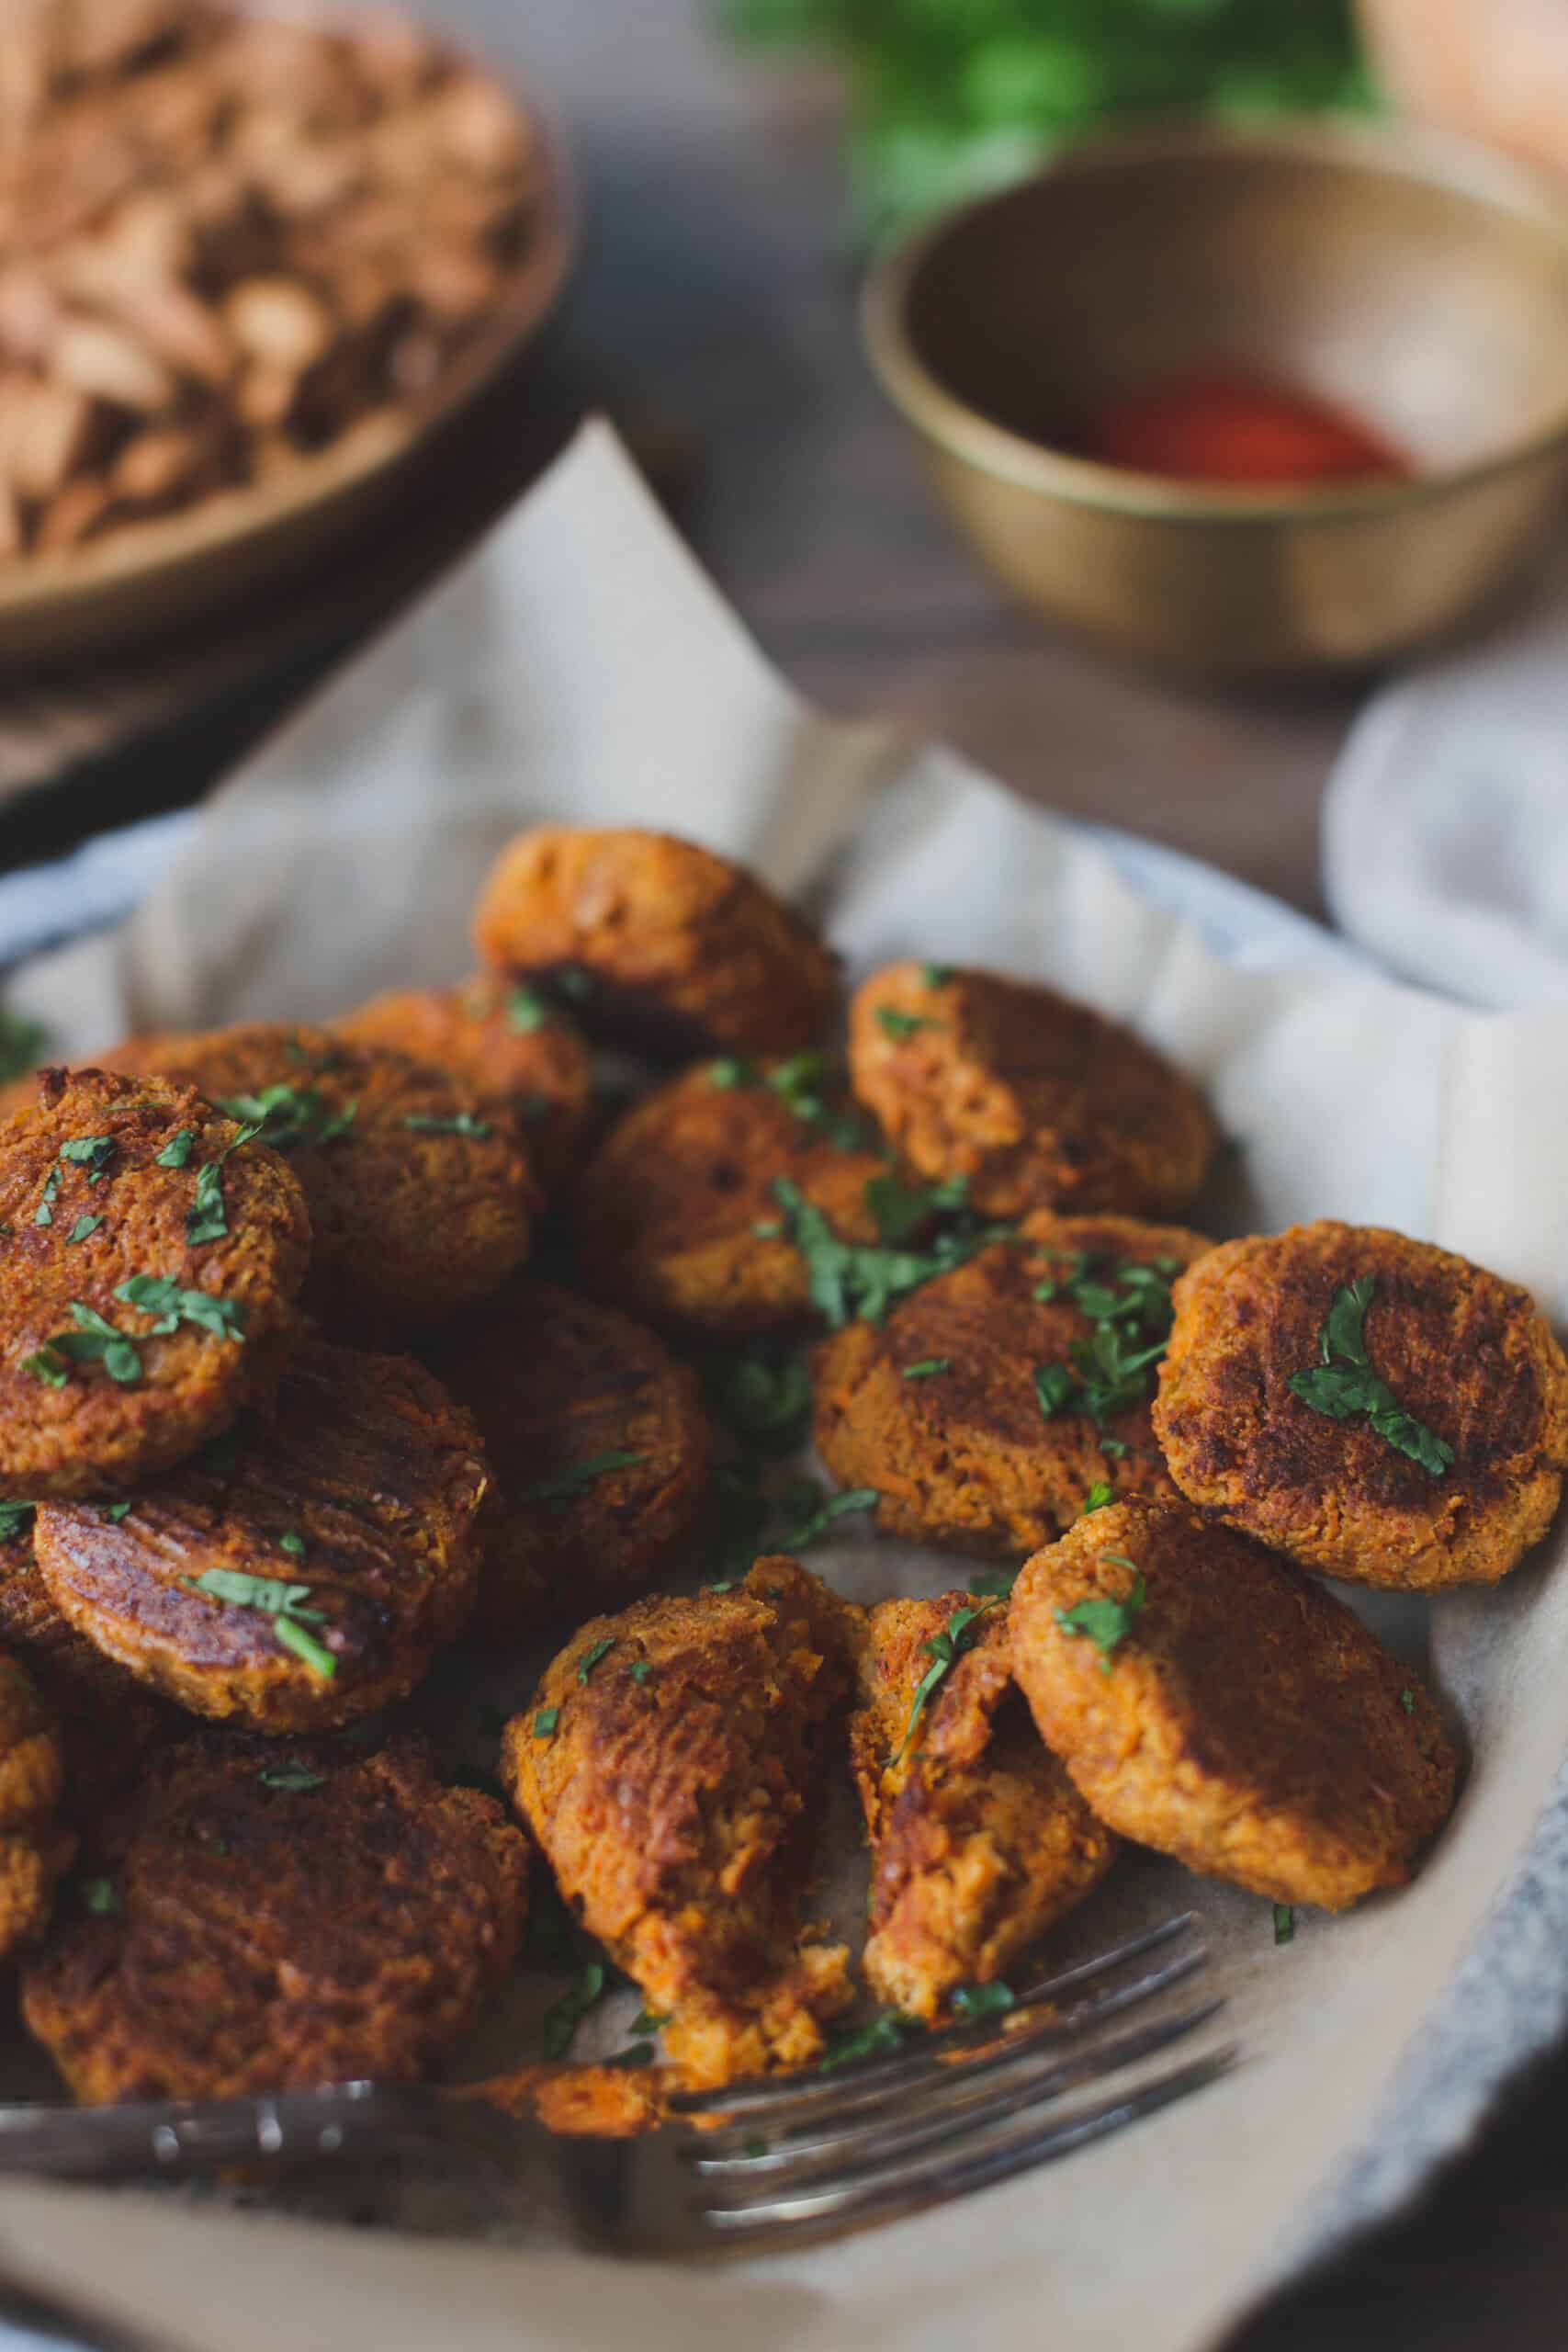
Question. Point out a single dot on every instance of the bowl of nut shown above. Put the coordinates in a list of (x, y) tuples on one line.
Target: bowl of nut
[(249, 264)]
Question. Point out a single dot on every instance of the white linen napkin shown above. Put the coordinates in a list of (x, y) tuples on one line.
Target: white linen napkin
[(1445, 825)]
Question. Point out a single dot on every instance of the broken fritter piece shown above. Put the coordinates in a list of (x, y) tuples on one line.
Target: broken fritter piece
[(979, 1840), (672, 1768)]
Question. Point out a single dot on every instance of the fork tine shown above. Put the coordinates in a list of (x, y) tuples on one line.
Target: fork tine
[(780, 2092), (845, 2155), (788, 2099), (933, 2179)]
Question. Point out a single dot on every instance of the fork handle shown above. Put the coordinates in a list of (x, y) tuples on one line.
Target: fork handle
[(156, 2136)]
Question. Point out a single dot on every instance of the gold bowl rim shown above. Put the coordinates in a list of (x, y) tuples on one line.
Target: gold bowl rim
[(1404, 150)]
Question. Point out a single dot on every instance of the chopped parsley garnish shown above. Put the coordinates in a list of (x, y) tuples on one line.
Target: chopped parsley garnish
[(463, 1122), (849, 1280), (102, 1897), (206, 1220), (973, 2002), (642, 1672), (1344, 1384), (1055, 1386), (291, 1543), (900, 1026), (903, 1210), (808, 1084), (592, 1654), (92, 1152), (93, 1340), (83, 1227), (1098, 1497), (156, 1295), (732, 1070), (992, 1584), (764, 1402), (559, 2024), (883, 2035), (544, 1722), (526, 1011), (822, 1515), (177, 1150), (928, 1368), (1102, 1620), (1284, 1923), (1129, 1306), (271, 1597), (15, 1520), (944, 1649), (289, 1117), (936, 976), (44, 1213), (115, 1512), (1406, 1698), (569, 1484), (293, 1779)]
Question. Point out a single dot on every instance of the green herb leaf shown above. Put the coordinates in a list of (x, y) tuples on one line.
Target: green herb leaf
[(272, 1596), (591, 1655), (304, 1645), (559, 2024), (569, 1484), (290, 1118), (973, 2002), (848, 1280), (156, 1295), (1284, 1923), (944, 1649), (1344, 1386), (102, 1897), (928, 1368), (642, 1671), (733, 1070), (902, 1210), (878, 2040), (83, 1227), (1099, 1495), (526, 1011), (764, 1401), (544, 1722), (1406, 1698), (115, 1512), (206, 1220), (816, 1523), (900, 1026), (1102, 1620), (92, 1152), (936, 976), (293, 1779), (44, 1213), (292, 1543), (46, 1363), (993, 1584), (463, 1124), (177, 1150), (15, 1520), (1055, 1387)]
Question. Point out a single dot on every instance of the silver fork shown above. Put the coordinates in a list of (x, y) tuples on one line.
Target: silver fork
[(758, 2165)]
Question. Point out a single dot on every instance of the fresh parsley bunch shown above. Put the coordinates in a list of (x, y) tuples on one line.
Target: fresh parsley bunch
[(952, 96)]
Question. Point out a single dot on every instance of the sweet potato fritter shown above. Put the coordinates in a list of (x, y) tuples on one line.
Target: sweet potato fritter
[(591, 2102), (334, 1546), (502, 1041), (942, 1408), (681, 950), (600, 1450), (1467, 1356), (35, 1850), (277, 1917), (1227, 1709), (979, 1840), (103, 1181), (108, 1721), (667, 1216), (419, 1192), (671, 1768), (1041, 1102)]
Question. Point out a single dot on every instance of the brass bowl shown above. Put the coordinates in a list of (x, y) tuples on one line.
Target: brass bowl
[(1419, 283)]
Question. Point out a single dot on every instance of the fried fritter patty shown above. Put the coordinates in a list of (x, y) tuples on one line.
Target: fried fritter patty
[(278, 1917), (335, 1548), (104, 1179), (682, 951), (507, 1041), (35, 1850), (1039, 1101), (599, 1447), (420, 1191), (979, 1840), (1467, 1356), (1226, 1709), (942, 1408), (108, 1721), (672, 1769), (667, 1216)]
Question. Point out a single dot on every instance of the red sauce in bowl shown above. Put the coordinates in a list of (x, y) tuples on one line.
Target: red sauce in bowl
[(1231, 429)]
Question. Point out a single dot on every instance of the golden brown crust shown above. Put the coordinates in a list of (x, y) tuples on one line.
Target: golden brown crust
[(1248, 1724), (667, 1213), (1039, 1101), (676, 1807), (411, 1222), (503, 1042), (965, 1457), (106, 1720), (556, 1382), (1469, 1355), (979, 1841), (35, 1850), (270, 1937), (366, 1487), (687, 952), (85, 1434)]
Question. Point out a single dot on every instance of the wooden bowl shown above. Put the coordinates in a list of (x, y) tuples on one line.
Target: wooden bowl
[(240, 546), (1417, 282)]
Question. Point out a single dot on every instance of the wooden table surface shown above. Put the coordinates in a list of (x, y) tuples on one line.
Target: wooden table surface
[(714, 318)]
